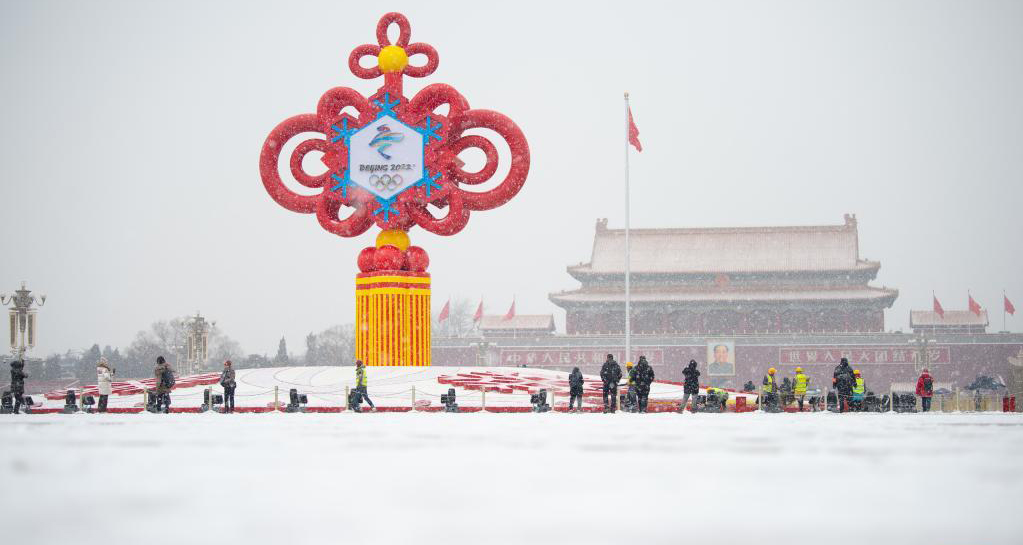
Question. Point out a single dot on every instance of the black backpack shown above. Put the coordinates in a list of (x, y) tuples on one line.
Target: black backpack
[(928, 385), (168, 378)]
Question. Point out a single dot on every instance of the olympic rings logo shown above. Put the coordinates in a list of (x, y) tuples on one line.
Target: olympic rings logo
[(386, 181)]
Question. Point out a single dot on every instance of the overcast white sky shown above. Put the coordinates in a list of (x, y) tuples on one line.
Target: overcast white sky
[(131, 133)]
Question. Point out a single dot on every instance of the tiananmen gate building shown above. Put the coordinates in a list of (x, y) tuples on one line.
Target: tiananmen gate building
[(740, 300)]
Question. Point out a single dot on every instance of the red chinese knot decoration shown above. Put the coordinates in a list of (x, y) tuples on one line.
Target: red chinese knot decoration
[(397, 155)]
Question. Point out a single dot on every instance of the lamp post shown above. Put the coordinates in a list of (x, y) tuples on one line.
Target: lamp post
[(197, 341), (22, 319), (923, 359)]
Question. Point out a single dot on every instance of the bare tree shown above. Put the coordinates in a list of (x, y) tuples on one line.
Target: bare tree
[(332, 346)]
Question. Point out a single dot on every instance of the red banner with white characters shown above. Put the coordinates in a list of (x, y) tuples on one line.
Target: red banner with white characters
[(859, 355), (514, 357)]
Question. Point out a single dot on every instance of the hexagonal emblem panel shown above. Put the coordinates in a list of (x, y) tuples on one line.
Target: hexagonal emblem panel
[(386, 157)]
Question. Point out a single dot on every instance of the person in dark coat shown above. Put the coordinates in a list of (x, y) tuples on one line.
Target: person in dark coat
[(691, 386), (575, 389), (643, 377), (18, 377), (610, 374), (844, 381), (229, 384), (164, 382)]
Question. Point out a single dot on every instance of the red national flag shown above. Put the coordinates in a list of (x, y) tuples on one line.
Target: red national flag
[(511, 312), (444, 311), (937, 308), (974, 307), (1008, 306), (634, 133), (479, 312)]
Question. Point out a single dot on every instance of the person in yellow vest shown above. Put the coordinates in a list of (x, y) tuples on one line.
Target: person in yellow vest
[(770, 389), (361, 385), (799, 387), (631, 403), (859, 391), (717, 400)]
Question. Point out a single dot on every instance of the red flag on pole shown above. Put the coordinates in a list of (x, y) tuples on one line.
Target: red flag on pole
[(479, 312), (1008, 306), (634, 133), (937, 307), (444, 311), (511, 312), (974, 306)]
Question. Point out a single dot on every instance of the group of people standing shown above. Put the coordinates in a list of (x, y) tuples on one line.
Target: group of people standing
[(850, 389), (640, 377)]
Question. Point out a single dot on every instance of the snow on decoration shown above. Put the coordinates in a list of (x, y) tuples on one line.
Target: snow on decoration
[(397, 155)]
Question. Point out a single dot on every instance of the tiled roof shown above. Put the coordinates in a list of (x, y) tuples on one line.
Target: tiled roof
[(519, 321), (727, 249), (729, 295), (928, 318)]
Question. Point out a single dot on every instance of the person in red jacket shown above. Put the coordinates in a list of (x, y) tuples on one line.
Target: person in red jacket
[(925, 389)]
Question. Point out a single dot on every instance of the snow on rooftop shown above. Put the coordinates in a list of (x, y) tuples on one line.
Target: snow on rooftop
[(728, 249)]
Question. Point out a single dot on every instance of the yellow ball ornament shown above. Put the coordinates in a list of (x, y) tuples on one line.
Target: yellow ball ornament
[(392, 58), (393, 237)]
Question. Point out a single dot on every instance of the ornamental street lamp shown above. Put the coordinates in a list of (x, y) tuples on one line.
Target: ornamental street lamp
[(22, 319), (923, 358), (197, 332)]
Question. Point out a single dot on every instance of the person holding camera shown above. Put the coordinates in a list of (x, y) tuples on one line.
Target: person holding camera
[(691, 386), (360, 383), (104, 383), (643, 378), (610, 374), (575, 389), (228, 383), (18, 377)]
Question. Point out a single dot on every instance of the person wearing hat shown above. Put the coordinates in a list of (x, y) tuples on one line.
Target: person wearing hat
[(925, 389), (717, 400), (770, 388), (691, 386), (610, 374), (361, 384), (844, 380), (228, 382), (859, 391), (630, 403), (643, 377), (104, 383), (800, 383)]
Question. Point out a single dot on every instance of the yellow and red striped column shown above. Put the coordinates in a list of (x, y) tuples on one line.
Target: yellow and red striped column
[(392, 307)]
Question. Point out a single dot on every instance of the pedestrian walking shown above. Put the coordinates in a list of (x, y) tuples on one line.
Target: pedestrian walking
[(361, 385)]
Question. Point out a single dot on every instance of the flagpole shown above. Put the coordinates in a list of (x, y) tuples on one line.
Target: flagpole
[(628, 255)]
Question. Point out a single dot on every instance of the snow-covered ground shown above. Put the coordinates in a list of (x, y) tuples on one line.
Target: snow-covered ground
[(511, 478)]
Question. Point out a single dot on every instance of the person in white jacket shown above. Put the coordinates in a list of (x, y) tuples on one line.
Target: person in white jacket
[(104, 380)]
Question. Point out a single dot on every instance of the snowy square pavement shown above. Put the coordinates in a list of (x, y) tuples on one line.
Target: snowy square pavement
[(511, 478)]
